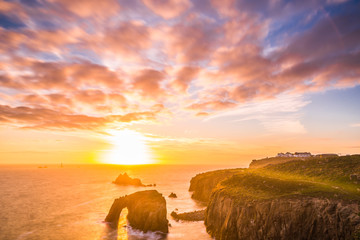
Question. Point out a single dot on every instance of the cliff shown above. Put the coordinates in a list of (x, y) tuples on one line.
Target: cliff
[(272, 160), (202, 184), (315, 198), (146, 211), (283, 218)]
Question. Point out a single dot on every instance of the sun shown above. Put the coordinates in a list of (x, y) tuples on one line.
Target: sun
[(129, 148)]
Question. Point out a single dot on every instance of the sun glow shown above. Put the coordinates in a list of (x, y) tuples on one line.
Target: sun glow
[(129, 148)]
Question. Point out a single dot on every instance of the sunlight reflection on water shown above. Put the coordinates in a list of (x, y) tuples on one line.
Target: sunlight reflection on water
[(72, 202)]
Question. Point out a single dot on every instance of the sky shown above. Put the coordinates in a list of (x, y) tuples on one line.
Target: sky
[(177, 81)]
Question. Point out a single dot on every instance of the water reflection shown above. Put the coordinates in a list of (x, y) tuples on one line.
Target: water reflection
[(122, 232), (125, 232)]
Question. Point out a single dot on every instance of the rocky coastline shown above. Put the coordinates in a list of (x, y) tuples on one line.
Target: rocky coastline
[(313, 199)]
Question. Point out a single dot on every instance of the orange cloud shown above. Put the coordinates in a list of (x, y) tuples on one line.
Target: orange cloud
[(127, 38), (184, 76), (212, 105), (89, 8), (168, 8), (38, 118), (192, 41), (148, 82)]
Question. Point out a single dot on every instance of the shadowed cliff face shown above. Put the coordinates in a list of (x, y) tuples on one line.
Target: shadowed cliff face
[(147, 211), (283, 218)]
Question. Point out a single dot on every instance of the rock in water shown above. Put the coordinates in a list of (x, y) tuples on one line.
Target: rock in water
[(124, 179), (172, 195), (189, 216), (146, 211)]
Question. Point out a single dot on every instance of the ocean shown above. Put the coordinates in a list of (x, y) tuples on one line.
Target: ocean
[(70, 203)]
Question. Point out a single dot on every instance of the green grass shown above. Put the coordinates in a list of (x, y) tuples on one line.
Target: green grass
[(317, 177)]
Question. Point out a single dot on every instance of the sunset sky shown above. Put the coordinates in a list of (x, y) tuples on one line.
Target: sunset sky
[(177, 81)]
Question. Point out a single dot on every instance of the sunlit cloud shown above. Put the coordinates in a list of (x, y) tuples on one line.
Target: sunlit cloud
[(278, 115), (89, 65), (169, 8)]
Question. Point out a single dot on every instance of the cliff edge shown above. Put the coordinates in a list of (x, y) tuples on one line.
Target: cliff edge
[(202, 184), (315, 198)]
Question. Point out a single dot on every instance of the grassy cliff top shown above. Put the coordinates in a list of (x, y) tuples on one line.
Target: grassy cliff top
[(272, 160), (332, 177)]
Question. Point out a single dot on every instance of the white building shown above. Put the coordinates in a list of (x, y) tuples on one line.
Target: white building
[(296, 154)]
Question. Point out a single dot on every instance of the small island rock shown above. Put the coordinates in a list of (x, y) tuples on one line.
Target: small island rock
[(189, 216), (124, 179), (172, 195)]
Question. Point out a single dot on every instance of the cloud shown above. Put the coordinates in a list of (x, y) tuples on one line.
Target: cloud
[(88, 8), (192, 41), (168, 8), (127, 38), (184, 76), (277, 115), (113, 58), (212, 105), (42, 118), (147, 81), (35, 74)]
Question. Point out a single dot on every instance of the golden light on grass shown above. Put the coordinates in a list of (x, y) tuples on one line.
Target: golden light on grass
[(129, 148)]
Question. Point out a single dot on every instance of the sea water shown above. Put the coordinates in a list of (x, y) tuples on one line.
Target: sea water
[(71, 202)]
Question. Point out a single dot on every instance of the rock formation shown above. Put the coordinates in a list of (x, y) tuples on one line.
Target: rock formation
[(146, 211), (189, 216), (317, 198), (283, 218), (202, 184), (124, 179), (172, 195)]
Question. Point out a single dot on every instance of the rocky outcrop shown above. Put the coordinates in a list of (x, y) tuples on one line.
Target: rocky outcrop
[(189, 216), (172, 195), (124, 179), (281, 218), (202, 184), (146, 211)]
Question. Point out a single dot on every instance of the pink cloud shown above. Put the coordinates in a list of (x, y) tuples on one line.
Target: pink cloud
[(148, 81), (38, 118), (127, 38), (184, 76), (212, 105), (89, 8), (192, 41), (168, 8)]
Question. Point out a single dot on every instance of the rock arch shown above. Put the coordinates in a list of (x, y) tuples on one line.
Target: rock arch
[(146, 211)]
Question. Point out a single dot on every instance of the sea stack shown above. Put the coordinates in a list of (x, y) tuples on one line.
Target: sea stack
[(125, 180), (146, 211)]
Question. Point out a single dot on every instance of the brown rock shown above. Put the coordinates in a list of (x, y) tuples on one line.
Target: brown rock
[(124, 179), (172, 195), (189, 216), (282, 218), (146, 211)]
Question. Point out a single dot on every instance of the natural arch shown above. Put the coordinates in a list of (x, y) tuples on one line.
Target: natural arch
[(146, 211)]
